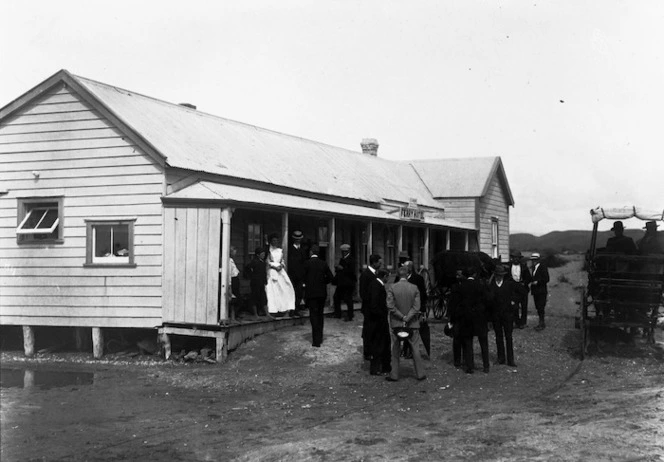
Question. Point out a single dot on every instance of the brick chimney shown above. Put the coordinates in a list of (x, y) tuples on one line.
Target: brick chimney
[(370, 146)]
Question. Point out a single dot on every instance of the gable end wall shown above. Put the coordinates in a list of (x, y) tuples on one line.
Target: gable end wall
[(494, 204), (101, 174)]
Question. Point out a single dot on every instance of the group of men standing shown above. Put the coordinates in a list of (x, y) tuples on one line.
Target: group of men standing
[(474, 306), (393, 312), (388, 310)]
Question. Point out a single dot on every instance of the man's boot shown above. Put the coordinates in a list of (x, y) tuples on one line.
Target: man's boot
[(540, 325)]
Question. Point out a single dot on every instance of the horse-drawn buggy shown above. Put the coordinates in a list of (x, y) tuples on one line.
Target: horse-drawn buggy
[(625, 281), (447, 267)]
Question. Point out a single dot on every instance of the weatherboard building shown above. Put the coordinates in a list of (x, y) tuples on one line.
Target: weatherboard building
[(118, 210)]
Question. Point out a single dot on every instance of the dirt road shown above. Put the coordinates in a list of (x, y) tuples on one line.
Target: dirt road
[(277, 398)]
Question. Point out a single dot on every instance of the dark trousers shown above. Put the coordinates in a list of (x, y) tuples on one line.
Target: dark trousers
[(365, 330), (345, 295), (522, 315), (467, 345), (540, 303), (299, 292), (381, 357), (316, 317), (259, 299), (457, 345), (503, 328)]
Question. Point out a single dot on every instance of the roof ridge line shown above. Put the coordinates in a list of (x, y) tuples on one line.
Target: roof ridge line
[(207, 114)]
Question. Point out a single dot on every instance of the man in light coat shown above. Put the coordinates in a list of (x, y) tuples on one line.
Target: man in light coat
[(403, 304)]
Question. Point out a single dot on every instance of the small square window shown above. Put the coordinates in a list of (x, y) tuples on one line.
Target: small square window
[(40, 220), (110, 242)]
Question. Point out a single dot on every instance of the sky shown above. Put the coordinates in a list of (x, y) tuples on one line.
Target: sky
[(570, 95)]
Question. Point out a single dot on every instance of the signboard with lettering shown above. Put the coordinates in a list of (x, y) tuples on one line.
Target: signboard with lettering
[(409, 213)]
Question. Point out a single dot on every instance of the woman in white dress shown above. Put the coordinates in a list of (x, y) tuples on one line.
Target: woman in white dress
[(279, 289)]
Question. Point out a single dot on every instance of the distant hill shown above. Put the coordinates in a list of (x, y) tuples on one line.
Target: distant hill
[(564, 241)]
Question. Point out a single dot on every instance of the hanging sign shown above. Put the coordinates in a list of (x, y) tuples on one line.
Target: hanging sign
[(410, 213)]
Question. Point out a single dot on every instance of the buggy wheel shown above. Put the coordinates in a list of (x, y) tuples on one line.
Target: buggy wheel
[(440, 306), (427, 279), (585, 329)]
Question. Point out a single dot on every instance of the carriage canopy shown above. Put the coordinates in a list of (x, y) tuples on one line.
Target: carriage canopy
[(623, 213)]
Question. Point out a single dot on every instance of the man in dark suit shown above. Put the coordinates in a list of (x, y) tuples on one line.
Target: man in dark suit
[(403, 303), (295, 268), (619, 243), (378, 335), (366, 278), (538, 287), (470, 317), (518, 272), (317, 276), (346, 280), (504, 297)]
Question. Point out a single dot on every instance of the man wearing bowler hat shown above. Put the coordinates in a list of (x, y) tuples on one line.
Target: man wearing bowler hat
[(649, 243), (295, 268), (504, 296), (538, 288), (620, 243)]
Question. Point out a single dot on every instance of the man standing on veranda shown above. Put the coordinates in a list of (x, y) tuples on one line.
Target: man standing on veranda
[(297, 255), (403, 303)]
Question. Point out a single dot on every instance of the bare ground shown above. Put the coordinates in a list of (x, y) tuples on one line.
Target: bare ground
[(277, 398)]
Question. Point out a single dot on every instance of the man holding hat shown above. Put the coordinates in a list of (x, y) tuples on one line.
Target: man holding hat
[(505, 296), (297, 255), (538, 288), (403, 304), (518, 272), (649, 243), (620, 243), (346, 280)]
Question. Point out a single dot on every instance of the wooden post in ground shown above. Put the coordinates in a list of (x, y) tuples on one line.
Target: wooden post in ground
[(28, 341), (166, 341), (97, 343), (221, 347)]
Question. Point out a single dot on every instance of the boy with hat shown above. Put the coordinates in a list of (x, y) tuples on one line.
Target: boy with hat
[(256, 272), (540, 278)]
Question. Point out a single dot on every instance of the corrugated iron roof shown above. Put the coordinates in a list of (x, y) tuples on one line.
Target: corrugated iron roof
[(461, 177), (207, 190), (194, 140)]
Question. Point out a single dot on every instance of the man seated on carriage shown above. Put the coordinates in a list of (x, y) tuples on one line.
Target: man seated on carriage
[(620, 243), (650, 244)]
